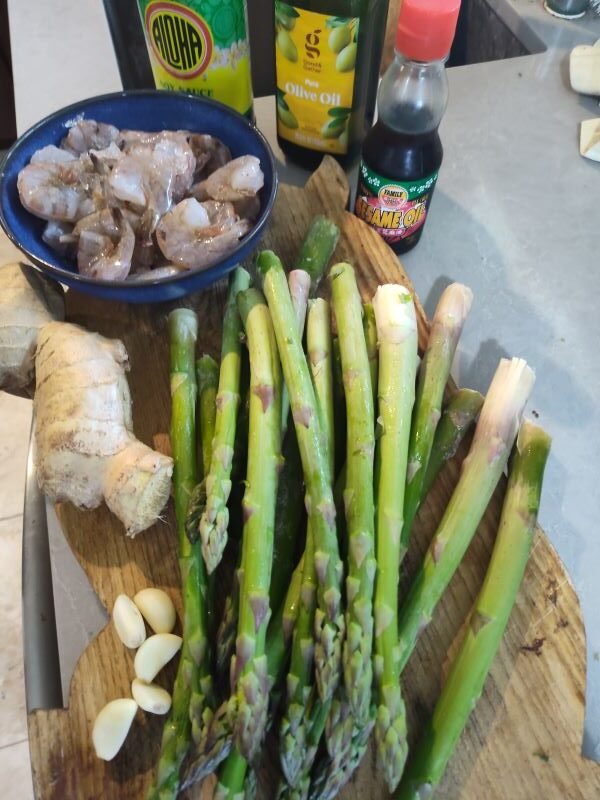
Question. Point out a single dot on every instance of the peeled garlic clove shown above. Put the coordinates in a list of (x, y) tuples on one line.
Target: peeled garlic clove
[(156, 651), (111, 727), (589, 140), (150, 697), (128, 622), (157, 609)]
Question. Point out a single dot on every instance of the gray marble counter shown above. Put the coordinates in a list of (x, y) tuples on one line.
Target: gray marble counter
[(515, 216)]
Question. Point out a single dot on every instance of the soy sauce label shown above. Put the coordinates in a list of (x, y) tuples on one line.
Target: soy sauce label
[(395, 209)]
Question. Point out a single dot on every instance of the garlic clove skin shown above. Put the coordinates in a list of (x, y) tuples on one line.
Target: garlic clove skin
[(157, 609), (111, 727), (154, 653), (150, 697), (128, 622)]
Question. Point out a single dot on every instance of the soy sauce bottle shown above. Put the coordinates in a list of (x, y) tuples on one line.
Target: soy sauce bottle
[(402, 153)]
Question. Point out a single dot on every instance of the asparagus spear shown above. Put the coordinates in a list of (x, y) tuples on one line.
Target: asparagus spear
[(481, 470), (488, 619), (317, 248), (329, 623), (397, 334), (358, 492), (339, 404), (215, 519), (299, 286), (218, 746), (457, 418), (370, 329), (295, 752), (446, 327), (207, 376), (250, 684), (192, 668)]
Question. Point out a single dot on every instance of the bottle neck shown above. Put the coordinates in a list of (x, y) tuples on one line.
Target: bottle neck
[(413, 95)]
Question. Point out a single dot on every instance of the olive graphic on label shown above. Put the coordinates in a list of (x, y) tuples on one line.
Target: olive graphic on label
[(339, 38), (287, 117), (343, 139), (347, 58), (286, 46), (289, 23), (333, 128)]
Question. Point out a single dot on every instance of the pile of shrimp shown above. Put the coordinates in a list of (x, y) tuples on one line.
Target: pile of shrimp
[(138, 206)]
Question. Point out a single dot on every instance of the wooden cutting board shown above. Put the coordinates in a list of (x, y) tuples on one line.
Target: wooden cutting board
[(524, 738)]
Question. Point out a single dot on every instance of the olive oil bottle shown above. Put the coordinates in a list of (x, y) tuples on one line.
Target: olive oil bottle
[(327, 56)]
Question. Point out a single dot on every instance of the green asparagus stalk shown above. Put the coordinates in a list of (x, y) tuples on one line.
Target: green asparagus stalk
[(296, 753), (397, 335), (183, 330), (207, 376), (339, 404), (299, 286), (317, 249), (370, 329), (329, 622), (488, 619), (481, 471), (218, 745), (250, 683), (358, 493), (446, 327), (215, 519), (232, 776), (456, 420)]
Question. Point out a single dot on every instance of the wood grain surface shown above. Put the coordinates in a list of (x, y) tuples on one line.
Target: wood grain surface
[(524, 738)]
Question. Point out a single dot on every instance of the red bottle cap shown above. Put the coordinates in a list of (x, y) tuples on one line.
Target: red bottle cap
[(426, 28)]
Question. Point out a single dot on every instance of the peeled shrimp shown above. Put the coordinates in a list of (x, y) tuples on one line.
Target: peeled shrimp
[(196, 235), (52, 155), (106, 242), (210, 154), (56, 191), (239, 178), (59, 236), (87, 134)]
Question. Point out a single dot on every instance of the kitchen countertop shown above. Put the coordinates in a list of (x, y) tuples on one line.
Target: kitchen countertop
[(514, 216)]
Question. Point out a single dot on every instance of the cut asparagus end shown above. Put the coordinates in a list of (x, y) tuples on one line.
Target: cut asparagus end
[(394, 313), (453, 307), (504, 403)]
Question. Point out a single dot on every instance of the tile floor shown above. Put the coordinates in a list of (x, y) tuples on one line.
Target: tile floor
[(15, 420)]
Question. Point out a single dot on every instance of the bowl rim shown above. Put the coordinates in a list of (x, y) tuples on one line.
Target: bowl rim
[(77, 277)]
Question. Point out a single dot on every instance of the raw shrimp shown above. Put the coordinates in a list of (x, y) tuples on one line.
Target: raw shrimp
[(106, 242), (57, 191), (239, 178), (156, 274), (87, 134), (196, 235), (59, 236), (210, 154), (52, 155)]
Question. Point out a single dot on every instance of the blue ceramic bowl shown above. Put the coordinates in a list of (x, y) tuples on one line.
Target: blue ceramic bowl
[(146, 111)]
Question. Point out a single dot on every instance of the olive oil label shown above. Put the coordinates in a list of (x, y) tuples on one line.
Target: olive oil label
[(200, 47), (315, 57), (395, 209)]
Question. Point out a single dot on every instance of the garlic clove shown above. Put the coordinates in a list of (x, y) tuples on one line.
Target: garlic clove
[(111, 727), (150, 697), (157, 609), (589, 140), (155, 652), (128, 622)]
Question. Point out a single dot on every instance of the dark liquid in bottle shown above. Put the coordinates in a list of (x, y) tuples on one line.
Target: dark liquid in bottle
[(403, 157)]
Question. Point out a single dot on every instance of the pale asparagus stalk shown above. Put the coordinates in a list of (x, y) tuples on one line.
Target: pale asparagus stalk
[(397, 336), (329, 622), (358, 492), (489, 617), (250, 683), (481, 470), (370, 329), (215, 519), (446, 327)]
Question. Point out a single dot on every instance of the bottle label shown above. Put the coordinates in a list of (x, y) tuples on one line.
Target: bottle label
[(394, 208), (315, 57), (200, 47)]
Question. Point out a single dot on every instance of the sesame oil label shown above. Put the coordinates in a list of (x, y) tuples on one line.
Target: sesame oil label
[(395, 209), (200, 47), (315, 57)]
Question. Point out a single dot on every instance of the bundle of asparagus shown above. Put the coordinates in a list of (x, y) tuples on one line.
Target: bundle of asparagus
[(315, 635)]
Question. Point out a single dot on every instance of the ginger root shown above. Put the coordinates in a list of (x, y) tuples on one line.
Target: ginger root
[(28, 300), (86, 449)]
